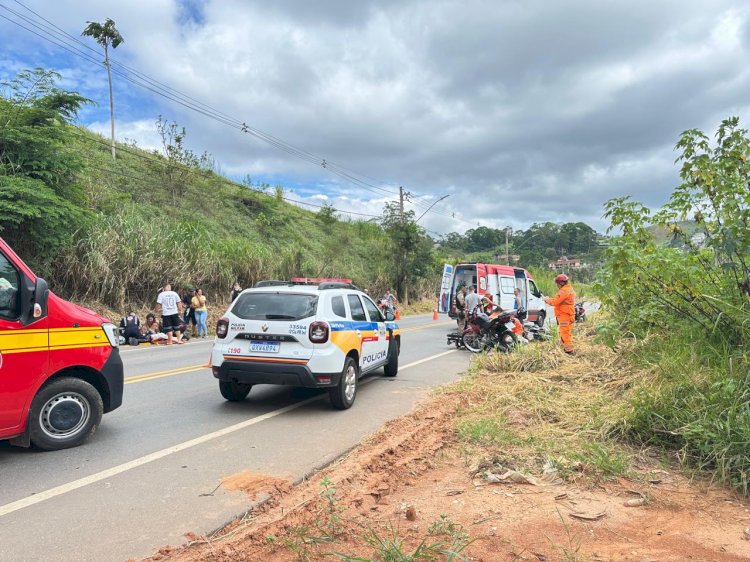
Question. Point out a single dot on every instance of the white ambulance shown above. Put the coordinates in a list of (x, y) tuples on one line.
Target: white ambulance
[(497, 280)]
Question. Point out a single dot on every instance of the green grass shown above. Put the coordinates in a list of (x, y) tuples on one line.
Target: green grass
[(201, 229), (697, 403)]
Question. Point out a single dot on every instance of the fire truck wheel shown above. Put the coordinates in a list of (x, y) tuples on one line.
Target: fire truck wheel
[(64, 413), (391, 368), (234, 391), (342, 395)]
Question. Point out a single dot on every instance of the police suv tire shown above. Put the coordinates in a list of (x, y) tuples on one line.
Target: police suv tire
[(343, 394), (234, 391), (540, 320), (391, 368), (64, 413)]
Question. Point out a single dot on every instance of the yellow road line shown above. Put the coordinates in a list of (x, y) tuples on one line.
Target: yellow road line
[(162, 374), (109, 473), (426, 326), (193, 368)]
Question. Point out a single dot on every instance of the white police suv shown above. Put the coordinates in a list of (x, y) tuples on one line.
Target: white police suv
[(297, 333)]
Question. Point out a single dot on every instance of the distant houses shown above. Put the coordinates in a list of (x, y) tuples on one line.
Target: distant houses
[(566, 263)]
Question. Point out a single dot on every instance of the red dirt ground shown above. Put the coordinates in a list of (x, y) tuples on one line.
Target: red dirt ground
[(401, 480)]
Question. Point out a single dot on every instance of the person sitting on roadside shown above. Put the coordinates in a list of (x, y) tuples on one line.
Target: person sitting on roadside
[(153, 332), (236, 290)]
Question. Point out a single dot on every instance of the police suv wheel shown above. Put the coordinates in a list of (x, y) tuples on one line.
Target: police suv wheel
[(391, 368), (234, 391), (64, 413), (342, 395)]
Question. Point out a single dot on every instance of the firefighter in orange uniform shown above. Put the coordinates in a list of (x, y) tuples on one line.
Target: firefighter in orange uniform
[(565, 310)]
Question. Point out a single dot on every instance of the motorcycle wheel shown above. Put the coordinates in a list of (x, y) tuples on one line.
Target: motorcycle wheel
[(473, 342), (507, 342)]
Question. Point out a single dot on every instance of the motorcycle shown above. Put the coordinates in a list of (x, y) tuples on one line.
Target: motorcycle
[(580, 311), (384, 306), (532, 330), (498, 333)]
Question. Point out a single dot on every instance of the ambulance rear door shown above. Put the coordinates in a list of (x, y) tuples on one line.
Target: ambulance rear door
[(447, 291)]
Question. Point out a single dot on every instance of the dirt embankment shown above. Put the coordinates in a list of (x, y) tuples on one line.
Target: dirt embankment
[(411, 484)]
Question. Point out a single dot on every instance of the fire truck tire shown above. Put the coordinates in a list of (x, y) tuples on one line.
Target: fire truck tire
[(64, 413), (391, 368), (234, 391), (343, 394)]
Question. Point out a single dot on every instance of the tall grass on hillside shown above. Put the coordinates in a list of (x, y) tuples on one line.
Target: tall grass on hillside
[(689, 302), (127, 257), (698, 402)]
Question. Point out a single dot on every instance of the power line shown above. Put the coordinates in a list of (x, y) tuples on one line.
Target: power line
[(55, 35), (188, 170)]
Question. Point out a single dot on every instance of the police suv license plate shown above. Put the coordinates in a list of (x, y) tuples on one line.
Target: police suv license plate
[(265, 346)]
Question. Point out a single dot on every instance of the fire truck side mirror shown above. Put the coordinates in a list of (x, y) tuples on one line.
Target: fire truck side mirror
[(34, 297), (41, 297)]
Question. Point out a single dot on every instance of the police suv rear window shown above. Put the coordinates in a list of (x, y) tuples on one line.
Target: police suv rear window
[(358, 313), (337, 305), (275, 306), (372, 310)]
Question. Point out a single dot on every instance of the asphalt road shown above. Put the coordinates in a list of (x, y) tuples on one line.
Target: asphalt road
[(150, 474)]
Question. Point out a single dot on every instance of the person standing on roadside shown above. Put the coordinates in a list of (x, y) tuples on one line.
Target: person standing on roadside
[(390, 300), (189, 316), (565, 310), (201, 312), (461, 308), (471, 301), (168, 303)]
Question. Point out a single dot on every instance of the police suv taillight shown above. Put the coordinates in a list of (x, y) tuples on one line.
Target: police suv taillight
[(222, 327), (318, 332)]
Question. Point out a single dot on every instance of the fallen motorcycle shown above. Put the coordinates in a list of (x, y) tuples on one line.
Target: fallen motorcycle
[(580, 311), (497, 333), (533, 332)]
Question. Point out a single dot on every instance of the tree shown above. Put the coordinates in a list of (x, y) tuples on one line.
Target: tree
[(410, 251), (106, 35), (180, 160), (41, 202), (709, 285)]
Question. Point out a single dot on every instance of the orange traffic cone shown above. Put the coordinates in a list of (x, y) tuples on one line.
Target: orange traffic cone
[(208, 363), (434, 314), (398, 315)]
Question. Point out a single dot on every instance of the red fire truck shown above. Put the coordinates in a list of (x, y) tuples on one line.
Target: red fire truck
[(60, 366)]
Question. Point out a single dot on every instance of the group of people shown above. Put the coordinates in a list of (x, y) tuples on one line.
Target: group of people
[(178, 315), (469, 303)]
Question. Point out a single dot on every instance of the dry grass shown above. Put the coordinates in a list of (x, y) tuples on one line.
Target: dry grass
[(539, 406), (418, 307)]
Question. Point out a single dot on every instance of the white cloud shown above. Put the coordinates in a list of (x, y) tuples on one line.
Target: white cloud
[(523, 112)]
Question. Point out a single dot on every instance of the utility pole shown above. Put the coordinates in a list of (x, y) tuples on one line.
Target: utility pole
[(111, 101), (507, 251), (401, 202)]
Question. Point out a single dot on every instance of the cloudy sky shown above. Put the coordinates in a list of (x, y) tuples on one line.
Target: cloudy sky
[(522, 111)]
